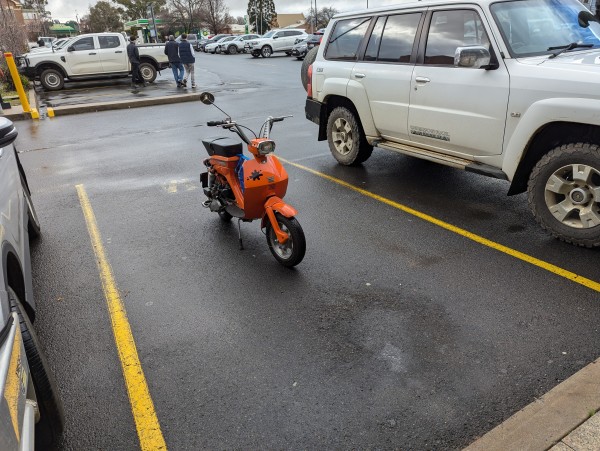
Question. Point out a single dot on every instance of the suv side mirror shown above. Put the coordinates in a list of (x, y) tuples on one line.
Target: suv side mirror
[(8, 132), (70, 48), (276, 36), (475, 57)]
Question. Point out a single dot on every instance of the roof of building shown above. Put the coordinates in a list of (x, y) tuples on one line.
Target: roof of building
[(290, 20)]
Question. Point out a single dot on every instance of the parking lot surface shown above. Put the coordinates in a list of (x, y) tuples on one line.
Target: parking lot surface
[(393, 332)]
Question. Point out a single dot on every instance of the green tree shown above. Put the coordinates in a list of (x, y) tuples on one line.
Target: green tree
[(104, 17), (137, 9), (262, 15)]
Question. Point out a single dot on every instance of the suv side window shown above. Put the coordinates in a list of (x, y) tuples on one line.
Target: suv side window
[(84, 44), (394, 43), (345, 38), (108, 42), (452, 29)]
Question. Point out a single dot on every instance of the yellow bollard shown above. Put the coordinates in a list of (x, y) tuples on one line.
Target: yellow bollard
[(19, 87)]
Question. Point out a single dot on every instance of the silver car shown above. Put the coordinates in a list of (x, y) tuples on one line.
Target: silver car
[(32, 412)]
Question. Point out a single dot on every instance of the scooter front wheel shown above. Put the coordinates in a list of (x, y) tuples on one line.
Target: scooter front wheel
[(292, 251)]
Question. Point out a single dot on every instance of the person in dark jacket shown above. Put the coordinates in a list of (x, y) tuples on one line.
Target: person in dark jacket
[(172, 52), (134, 58), (188, 58)]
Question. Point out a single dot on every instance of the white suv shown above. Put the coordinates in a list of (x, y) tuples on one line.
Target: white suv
[(508, 89), (275, 41), (237, 44)]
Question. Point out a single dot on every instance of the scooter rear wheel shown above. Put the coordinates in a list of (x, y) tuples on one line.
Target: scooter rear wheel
[(292, 251)]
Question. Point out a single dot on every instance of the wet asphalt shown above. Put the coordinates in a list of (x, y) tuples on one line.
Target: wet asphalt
[(392, 333)]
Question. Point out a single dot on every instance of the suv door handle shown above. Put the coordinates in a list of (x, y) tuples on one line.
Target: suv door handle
[(93, 53), (359, 75), (118, 51), (422, 80)]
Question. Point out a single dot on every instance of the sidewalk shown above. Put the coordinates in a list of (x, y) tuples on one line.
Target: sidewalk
[(560, 420)]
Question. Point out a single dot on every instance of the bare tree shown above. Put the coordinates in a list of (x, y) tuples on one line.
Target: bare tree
[(215, 15), (13, 36), (187, 12), (324, 15)]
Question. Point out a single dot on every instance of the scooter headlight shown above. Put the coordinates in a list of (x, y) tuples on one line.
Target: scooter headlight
[(266, 147)]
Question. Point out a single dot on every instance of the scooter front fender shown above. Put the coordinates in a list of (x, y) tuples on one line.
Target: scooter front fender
[(272, 205)]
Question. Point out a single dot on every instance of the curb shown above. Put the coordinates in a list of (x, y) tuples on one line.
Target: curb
[(18, 115), (549, 419), (125, 104)]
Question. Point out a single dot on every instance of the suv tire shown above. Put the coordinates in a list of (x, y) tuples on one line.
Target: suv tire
[(561, 186), (347, 141), (308, 60), (232, 50), (266, 51)]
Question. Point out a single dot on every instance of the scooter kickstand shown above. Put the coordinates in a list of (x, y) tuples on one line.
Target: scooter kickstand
[(240, 234)]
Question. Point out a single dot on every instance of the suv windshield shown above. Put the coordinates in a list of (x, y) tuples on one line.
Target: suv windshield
[(269, 34), (532, 27)]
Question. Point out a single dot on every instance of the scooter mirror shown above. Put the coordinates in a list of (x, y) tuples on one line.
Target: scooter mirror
[(207, 98)]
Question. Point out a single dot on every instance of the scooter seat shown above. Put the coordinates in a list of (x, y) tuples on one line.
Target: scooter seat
[(222, 146)]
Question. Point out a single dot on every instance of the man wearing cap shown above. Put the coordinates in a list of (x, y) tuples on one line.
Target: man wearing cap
[(134, 58), (172, 52)]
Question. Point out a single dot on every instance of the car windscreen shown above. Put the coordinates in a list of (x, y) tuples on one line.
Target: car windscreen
[(534, 27)]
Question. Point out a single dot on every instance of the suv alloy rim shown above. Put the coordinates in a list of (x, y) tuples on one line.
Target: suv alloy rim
[(52, 80), (572, 195), (341, 134)]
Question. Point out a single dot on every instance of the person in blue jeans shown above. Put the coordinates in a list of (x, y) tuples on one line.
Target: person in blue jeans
[(172, 52)]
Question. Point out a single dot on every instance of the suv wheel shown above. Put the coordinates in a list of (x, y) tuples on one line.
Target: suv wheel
[(564, 193), (232, 50), (346, 138), (266, 51)]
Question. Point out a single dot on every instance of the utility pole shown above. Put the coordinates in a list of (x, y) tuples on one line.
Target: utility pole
[(316, 15), (150, 11)]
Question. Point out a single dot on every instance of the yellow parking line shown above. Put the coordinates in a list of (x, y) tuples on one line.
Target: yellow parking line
[(591, 284), (144, 415)]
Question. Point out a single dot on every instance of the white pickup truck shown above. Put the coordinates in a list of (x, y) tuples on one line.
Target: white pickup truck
[(88, 56)]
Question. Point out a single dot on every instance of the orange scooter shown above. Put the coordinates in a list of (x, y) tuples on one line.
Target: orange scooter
[(251, 188)]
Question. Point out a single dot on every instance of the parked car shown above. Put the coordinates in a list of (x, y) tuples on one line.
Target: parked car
[(88, 56), (214, 39), (300, 49), (274, 41), (483, 86), (57, 44), (314, 39), (237, 45), (201, 43), (215, 47), (191, 38), (27, 383)]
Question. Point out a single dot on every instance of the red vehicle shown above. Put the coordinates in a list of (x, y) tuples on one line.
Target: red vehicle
[(252, 188)]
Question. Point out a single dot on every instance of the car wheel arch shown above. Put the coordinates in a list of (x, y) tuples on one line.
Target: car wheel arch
[(41, 67), (546, 138), (15, 278)]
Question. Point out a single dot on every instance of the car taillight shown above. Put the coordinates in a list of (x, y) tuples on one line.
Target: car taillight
[(320, 39), (309, 84)]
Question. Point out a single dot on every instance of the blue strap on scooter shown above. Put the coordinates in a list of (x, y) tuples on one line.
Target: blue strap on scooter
[(239, 169)]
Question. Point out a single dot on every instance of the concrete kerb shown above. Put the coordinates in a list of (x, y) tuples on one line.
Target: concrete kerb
[(546, 421), (125, 104), (17, 114)]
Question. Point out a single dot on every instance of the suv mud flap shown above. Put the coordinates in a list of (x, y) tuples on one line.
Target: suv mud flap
[(317, 112)]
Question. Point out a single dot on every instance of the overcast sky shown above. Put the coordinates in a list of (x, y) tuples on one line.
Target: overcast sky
[(66, 9)]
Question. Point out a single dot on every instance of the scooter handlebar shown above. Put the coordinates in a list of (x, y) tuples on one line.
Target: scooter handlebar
[(215, 123)]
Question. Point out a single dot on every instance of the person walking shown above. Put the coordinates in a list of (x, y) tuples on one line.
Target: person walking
[(188, 58), (172, 52), (134, 58)]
